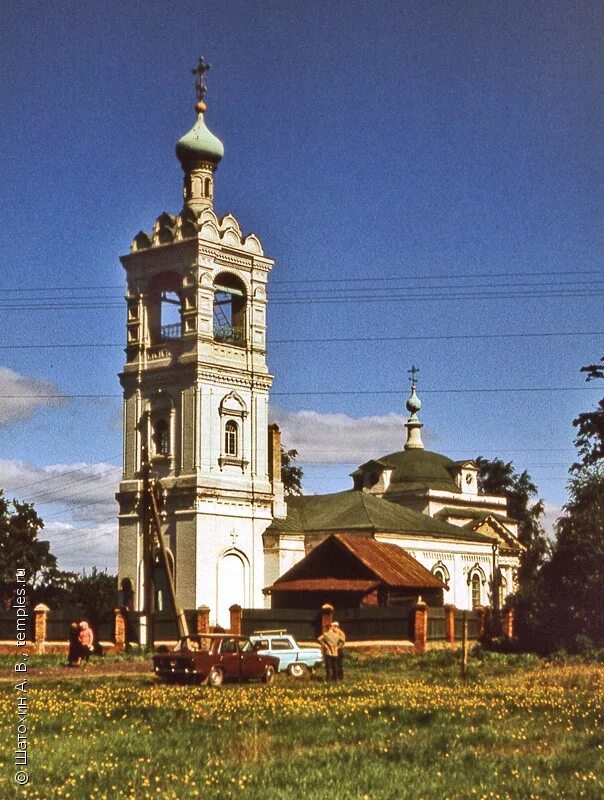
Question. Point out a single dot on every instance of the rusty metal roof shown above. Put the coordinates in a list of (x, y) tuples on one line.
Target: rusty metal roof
[(352, 562), (389, 562), (322, 584)]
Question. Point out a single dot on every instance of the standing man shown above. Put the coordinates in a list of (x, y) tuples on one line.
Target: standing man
[(331, 644), (340, 656)]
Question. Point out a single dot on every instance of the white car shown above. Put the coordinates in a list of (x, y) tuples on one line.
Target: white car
[(295, 660)]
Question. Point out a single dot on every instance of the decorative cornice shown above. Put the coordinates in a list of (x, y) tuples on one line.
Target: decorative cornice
[(257, 383)]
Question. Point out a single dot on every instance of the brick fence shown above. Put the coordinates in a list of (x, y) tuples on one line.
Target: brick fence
[(422, 637)]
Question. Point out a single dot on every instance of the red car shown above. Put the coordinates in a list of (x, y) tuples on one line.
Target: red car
[(213, 659)]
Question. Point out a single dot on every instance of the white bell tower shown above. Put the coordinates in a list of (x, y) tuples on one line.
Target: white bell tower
[(196, 386)]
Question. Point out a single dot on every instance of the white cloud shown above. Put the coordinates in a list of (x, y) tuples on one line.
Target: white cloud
[(77, 505), (21, 396), (338, 438), (550, 517), (81, 548), (79, 487)]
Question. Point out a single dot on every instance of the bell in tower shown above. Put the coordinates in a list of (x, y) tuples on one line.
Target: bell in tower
[(195, 385)]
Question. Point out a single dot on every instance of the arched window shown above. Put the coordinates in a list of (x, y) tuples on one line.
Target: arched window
[(161, 437), (231, 584), (160, 432), (440, 571), (229, 310), (207, 187), (231, 438), (503, 590), (127, 593), (160, 580), (475, 583)]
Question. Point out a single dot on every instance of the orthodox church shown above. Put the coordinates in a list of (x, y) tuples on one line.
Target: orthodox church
[(421, 501), (195, 411)]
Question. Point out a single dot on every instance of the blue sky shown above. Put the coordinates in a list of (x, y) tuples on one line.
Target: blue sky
[(420, 171)]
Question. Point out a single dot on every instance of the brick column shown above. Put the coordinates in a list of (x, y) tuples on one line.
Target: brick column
[(421, 626), (483, 621), (119, 631), (203, 619), (508, 623), (40, 612), (326, 617), (235, 612), (450, 624)]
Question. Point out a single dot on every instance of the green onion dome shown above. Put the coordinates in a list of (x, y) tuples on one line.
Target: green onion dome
[(199, 144)]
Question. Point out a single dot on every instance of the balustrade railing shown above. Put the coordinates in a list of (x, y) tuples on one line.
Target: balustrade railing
[(171, 331), (229, 334)]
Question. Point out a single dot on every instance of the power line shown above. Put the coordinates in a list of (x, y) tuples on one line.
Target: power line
[(439, 276), (441, 337), (372, 279), (336, 299), (310, 293), (485, 390), (343, 295), (60, 475), (58, 498), (405, 287)]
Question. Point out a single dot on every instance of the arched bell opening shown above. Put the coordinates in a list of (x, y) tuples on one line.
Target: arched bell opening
[(164, 308), (229, 310)]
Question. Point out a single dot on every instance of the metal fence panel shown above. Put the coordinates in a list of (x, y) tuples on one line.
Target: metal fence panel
[(166, 629), (302, 623), (359, 624), (57, 628), (8, 626), (472, 622), (436, 624), (372, 623)]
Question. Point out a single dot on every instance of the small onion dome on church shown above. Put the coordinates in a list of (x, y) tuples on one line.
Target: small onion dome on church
[(413, 404), (199, 144)]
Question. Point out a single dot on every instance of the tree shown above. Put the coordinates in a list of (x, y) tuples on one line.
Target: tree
[(94, 596), (20, 548), (590, 425), (574, 576), (499, 477), (291, 475)]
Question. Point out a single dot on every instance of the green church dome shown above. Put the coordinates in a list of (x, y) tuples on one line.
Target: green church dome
[(199, 144), (415, 469)]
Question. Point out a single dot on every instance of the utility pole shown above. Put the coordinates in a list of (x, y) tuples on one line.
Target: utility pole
[(496, 624), (149, 588), (464, 644)]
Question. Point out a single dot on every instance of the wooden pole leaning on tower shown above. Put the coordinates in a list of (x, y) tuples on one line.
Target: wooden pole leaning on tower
[(179, 614)]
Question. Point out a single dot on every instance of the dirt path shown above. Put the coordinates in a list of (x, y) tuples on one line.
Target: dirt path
[(95, 668)]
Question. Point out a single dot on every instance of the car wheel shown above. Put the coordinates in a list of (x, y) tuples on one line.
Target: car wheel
[(215, 678), (269, 675), (297, 670)]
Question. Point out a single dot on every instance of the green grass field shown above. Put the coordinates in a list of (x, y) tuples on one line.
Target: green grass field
[(399, 728)]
